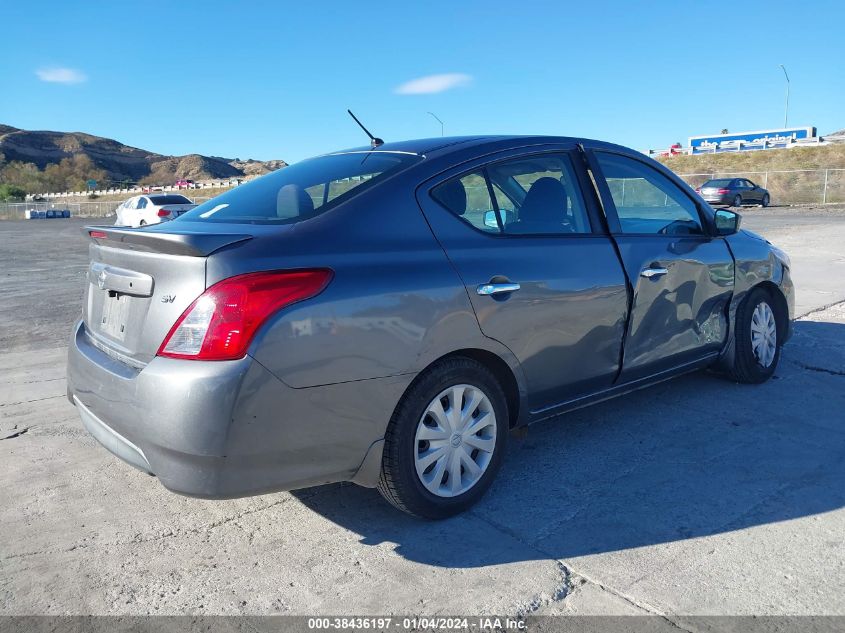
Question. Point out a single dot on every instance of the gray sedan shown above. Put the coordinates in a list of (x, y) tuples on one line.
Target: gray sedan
[(734, 192), (388, 315)]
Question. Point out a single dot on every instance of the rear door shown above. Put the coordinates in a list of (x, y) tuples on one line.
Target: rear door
[(752, 191), (681, 275), (541, 274), (142, 214)]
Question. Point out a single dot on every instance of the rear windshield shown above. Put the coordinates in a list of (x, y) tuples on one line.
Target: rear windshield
[(303, 190), (169, 200), (719, 182)]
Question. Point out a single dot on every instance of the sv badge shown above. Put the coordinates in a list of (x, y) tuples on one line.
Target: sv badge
[(168, 298)]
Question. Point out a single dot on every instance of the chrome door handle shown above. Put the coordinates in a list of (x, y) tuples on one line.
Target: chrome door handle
[(495, 289), (649, 273)]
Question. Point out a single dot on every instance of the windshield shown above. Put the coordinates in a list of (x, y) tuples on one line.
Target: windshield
[(719, 182), (171, 199), (303, 190)]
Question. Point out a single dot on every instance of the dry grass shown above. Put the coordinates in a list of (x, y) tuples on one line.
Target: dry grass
[(785, 188), (822, 157)]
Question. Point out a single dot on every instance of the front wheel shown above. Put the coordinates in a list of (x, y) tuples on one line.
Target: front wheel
[(445, 441), (737, 201), (758, 344)]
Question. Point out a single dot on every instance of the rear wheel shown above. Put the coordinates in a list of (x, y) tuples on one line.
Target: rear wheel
[(445, 441), (758, 328), (765, 201), (142, 223), (737, 200)]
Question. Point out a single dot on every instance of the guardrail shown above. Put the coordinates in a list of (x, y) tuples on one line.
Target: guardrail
[(129, 191)]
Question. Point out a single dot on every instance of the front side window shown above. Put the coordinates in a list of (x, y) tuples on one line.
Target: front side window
[(539, 195), (534, 195), (301, 191), (646, 201), (142, 203)]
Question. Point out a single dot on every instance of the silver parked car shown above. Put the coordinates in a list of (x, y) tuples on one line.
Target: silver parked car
[(387, 315), (734, 192)]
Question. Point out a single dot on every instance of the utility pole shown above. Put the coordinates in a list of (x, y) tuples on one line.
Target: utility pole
[(786, 112), (442, 127)]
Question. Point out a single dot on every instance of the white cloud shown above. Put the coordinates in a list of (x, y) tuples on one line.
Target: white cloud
[(433, 83), (60, 75)]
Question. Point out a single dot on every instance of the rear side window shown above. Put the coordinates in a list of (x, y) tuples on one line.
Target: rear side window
[(534, 195), (646, 201), (301, 191), (469, 199)]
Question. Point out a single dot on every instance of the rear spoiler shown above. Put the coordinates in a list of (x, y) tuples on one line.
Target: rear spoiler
[(170, 243)]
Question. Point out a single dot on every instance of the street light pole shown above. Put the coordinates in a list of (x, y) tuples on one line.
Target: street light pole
[(439, 121), (786, 113)]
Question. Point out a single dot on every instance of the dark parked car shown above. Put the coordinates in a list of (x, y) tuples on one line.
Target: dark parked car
[(386, 316), (734, 192)]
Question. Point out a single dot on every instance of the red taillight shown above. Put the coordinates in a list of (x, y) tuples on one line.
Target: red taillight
[(723, 191), (698, 190), (221, 323), (163, 213), (98, 235)]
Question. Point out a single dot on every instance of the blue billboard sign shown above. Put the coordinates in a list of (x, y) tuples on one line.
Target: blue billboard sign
[(761, 139)]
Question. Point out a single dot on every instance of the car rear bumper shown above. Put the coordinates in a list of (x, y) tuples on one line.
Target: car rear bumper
[(719, 199), (228, 428)]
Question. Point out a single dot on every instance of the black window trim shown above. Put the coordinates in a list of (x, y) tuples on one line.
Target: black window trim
[(612, 216), (597, 228)]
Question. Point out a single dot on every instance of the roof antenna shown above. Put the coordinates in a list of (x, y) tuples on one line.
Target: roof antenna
[(374, 141)]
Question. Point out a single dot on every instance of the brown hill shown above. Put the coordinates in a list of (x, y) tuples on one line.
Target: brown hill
[(121, 162)]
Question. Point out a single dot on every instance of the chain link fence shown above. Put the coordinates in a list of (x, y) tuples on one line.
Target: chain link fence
[(795, 186), (105, 209)]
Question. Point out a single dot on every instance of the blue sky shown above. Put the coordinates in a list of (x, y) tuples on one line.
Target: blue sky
[(273, 79)]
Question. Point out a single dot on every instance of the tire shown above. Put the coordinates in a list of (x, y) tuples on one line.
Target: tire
[(406, 481), (737, 201), (765, 201), (748, 365), (142, 223)]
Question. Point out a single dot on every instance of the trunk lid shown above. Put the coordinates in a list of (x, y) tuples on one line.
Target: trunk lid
[(178, 209), (140, 281)]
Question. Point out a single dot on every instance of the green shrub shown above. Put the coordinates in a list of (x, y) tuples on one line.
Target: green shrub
[(9, 193)]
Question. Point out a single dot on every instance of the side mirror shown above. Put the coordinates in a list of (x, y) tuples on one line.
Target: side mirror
[(490, 220), (727, 222)]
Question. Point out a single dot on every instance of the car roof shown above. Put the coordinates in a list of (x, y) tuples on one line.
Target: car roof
[(446, 144)]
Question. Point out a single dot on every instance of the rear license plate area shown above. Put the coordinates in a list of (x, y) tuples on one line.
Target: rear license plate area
[(114, 315)]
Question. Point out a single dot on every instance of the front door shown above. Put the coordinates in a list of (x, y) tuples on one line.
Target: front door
[(681, 275), (542, 276)]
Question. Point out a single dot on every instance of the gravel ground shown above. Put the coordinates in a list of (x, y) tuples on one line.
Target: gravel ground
[(696, 496)]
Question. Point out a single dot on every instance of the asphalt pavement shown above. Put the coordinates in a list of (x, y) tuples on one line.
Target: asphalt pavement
[(697, 496)]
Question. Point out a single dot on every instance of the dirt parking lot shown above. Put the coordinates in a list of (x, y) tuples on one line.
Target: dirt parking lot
[(697, 496)]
